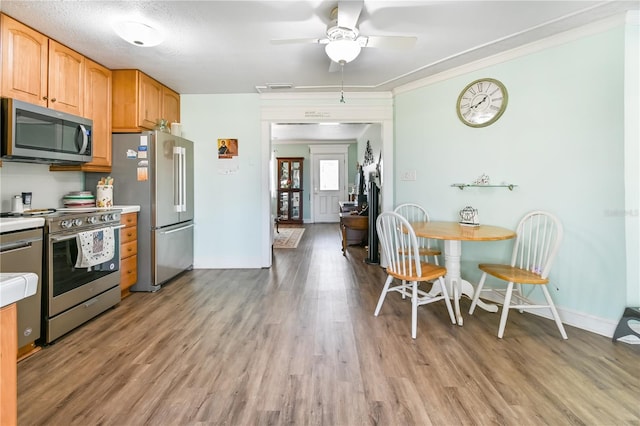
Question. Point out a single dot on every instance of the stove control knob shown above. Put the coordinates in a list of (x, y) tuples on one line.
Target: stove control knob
[(66, 224), (112, 216), (77, 222), (92, 219), (104, 217)]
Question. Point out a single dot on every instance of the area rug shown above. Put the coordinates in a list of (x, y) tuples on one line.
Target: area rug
[(287, 238)]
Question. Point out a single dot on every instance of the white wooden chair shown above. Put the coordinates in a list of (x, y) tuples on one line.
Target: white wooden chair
[(400, 248), (538, 239), (416, 213)]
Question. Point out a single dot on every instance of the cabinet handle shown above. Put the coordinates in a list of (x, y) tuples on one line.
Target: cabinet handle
[(53, 99), (44, 98)]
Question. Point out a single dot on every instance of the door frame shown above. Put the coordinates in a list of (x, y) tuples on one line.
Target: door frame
[(338, 149), (361, 107)]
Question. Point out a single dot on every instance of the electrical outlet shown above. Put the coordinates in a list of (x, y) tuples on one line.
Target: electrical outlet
[(408, 175)]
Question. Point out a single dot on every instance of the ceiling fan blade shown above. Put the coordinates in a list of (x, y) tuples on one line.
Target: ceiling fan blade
[(388, 42), (300, 41), (349, 12)]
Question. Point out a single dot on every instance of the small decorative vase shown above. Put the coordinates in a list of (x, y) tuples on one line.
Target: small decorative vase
[(163, 125)]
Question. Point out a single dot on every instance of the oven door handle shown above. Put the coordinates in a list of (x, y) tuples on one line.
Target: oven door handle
[(58, 239), (71, 237)]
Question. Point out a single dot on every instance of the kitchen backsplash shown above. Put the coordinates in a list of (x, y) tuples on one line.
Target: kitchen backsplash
[(47, 187)]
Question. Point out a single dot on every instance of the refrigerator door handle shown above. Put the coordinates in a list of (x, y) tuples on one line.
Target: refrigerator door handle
[(177, 178), (184, 180), (176, 230)]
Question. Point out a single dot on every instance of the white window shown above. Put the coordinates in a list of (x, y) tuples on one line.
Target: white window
[(329, 175)]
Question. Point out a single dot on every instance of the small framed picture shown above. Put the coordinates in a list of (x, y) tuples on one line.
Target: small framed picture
[(227, 148)]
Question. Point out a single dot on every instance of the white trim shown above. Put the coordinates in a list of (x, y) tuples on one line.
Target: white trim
[(362, 107), (591, 323), (329, 149), (527, 49)]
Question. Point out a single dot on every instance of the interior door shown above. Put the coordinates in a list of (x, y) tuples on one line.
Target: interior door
[(329, 186)]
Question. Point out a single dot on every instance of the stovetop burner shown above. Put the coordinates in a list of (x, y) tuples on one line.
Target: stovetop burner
[(62, 219)]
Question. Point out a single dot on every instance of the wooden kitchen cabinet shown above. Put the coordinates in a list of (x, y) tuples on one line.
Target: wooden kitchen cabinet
[(66, 79), (139, 102), (39, 70), (97, 106), (25, 54), (128, 252), (8, 365), (170, 105)]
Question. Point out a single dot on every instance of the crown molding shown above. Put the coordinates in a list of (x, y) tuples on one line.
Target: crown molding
[(527, 49)]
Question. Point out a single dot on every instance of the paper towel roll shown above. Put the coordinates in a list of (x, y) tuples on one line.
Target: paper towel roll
[(176, 129)]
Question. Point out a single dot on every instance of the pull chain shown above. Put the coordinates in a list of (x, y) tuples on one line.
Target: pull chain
[(342, 82)]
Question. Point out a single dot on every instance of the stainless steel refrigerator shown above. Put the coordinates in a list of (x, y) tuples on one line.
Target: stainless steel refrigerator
[(155, 171)]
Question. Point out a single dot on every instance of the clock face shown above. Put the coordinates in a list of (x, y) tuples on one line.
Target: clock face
[(482, 102)]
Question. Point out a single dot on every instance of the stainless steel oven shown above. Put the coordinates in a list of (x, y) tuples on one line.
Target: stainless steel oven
[(75, 295)]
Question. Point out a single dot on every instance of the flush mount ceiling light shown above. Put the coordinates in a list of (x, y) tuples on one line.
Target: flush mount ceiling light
[(343, 51), (138, 34)]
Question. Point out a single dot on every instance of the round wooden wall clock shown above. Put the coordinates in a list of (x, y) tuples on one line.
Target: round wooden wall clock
[(482, 102)]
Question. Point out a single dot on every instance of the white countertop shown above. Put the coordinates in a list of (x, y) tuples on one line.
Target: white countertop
[(16, 286), (127, 209), (9, 224)]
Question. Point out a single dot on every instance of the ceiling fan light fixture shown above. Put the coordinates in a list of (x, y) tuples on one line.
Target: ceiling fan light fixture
[(343, 51), (138, 34)]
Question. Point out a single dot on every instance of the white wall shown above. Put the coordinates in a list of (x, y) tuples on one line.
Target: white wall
[(227, 206), (561, 140), (47, 187)]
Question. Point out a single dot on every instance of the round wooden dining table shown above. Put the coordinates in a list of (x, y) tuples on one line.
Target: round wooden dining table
[(453, 234)]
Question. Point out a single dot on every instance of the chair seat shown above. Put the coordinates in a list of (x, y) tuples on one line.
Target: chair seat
[(429, 271), (425, 251), (512, 274)]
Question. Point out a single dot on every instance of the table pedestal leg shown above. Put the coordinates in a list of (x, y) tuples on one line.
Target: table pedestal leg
[(456, 286)]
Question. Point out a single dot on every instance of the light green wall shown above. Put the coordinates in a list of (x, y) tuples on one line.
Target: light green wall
[(227, 206), (561, 140), (632, 156)]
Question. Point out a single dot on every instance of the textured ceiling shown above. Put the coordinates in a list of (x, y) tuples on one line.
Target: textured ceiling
[(217, 47), (224, 46)]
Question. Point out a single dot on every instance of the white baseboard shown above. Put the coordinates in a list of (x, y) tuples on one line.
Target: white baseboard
[(587, 322)]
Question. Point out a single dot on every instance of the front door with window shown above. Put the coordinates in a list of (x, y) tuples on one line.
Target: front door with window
[(329, 186)]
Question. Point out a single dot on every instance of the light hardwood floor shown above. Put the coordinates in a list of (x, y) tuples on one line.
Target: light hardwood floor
[(298, 344)]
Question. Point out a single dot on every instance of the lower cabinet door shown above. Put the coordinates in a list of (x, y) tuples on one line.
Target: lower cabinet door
[(128, 272)]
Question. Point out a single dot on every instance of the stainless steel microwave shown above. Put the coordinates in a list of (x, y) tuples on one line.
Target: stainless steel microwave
[(31, 133)]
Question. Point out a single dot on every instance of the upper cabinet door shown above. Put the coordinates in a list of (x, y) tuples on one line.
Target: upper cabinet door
[(24, 62), (170, 105), (66, 79), (97, 106), (150, 96)]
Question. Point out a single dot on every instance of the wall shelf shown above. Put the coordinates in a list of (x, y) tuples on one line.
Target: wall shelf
[(473, 185)]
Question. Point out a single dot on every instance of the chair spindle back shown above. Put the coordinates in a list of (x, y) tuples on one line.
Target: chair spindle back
[(539, 235)]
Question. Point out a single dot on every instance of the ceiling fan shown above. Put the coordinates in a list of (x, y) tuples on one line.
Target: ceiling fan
[(343, 41)]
